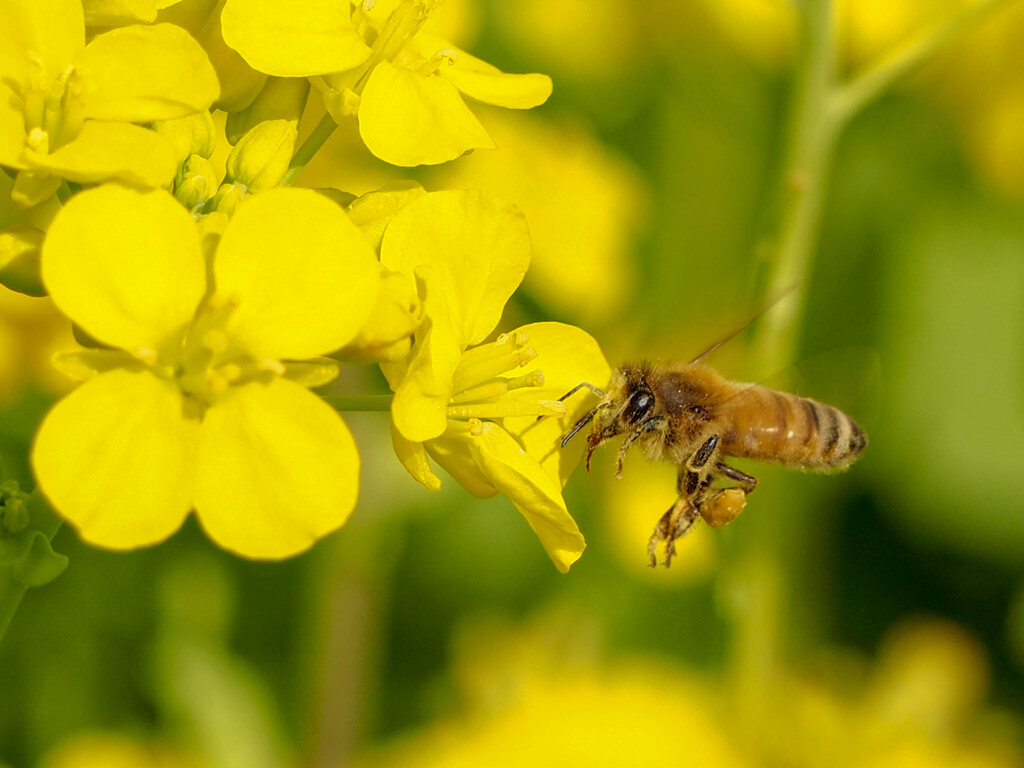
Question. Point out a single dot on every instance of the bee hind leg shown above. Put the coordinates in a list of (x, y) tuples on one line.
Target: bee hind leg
[(720, 506), (674, 524), (746, 482)]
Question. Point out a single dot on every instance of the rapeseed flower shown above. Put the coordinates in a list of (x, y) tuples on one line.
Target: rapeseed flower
[(370, 59), (67, 109), (191, 405), (473, 406)]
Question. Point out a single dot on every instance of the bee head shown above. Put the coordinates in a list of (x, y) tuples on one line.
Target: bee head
[(635, 394)]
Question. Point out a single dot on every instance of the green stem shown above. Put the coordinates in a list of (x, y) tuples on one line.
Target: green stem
[(11, 593), (876, 78), (309, 147), (359, 403), (809, 145), (820, 109)]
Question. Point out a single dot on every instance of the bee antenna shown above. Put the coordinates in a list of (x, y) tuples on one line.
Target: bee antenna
[(580, 386), (582, 423), (771, 303), (576, 389)]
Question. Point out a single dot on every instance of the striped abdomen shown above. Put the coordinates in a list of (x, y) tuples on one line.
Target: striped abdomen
[(789, 429)]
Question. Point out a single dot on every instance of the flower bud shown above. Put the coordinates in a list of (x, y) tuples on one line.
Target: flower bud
[(195, 183), (261, 157), (14, 516), (193, 134), (225, 199), (20, 248)]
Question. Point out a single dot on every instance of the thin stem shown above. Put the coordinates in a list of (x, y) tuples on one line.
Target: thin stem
[(878, 77), (309, 147), (359, 402), (11, 593), (759, 571), (810, 141)]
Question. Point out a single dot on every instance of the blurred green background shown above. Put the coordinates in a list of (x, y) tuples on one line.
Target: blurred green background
[(870, 618)]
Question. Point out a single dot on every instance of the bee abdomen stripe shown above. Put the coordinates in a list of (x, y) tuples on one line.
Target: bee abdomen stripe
[(812, 423), (832, 432)]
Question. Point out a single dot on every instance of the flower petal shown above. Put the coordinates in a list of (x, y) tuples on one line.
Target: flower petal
[(106, 151), (485, 82), (277, 470), (567, 356), (373, 211), (414, 458), (452, 451), (170, 75), (116, 459), (536, 495), (119, 13), (293, 39), (422, 392), (478, 247), (46, 33), (125, 265), (407, 119), (305, 275)]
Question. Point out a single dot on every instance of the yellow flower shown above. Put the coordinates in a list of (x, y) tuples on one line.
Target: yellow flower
[(473, 406), (370, 59), (194, 408), (67, 108)]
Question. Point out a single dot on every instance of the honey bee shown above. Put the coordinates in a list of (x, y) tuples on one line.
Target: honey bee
[(692, 416)]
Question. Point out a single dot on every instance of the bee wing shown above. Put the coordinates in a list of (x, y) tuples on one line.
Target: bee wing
[(849, 378)]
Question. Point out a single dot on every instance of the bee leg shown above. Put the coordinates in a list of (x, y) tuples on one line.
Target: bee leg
[(720, 506), (747, 482), (653, 423), (674, 524), (703, 454)]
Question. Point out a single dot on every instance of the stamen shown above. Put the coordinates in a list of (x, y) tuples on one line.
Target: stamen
[(38, 141), (500, 360), (270, 365), (440, 58), (474, 355), (231, 372), (505, 408), (497, 387), (145, 354), (215, 341)]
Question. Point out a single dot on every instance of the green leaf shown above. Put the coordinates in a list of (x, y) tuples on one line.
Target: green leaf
[(40, 565)]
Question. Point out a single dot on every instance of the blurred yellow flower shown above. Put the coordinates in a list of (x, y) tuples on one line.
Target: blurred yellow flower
[(542, 695), (110, 750), (534, 701)]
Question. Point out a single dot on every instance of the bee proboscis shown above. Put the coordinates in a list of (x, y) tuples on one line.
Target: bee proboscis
[(692, 416)]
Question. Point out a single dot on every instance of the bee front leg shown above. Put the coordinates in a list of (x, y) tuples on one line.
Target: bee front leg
[(650, 425)]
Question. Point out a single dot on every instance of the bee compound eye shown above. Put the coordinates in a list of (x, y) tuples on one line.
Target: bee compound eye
[(638, 406)]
